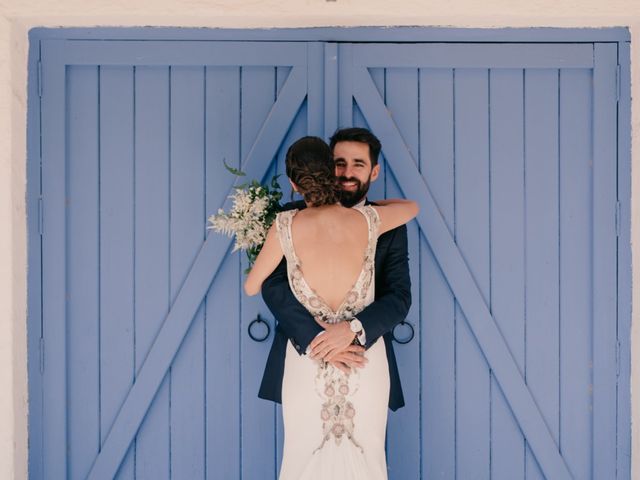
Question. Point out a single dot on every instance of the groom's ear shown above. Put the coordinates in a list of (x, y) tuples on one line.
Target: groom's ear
[(375, 171), (293, 185)]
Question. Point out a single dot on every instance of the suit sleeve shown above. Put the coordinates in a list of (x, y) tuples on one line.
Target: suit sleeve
[(393, 290)]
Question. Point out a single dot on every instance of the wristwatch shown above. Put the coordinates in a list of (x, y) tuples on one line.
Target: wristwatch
[(355, 326)]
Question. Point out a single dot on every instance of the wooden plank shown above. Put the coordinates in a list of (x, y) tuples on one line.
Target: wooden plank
[(624, 265), (403, 431), (542, 366), (378, 188), (83, 286), (473, 379), (222, 328), (196, 284), (258, 449), (266, 54), (315, 94), (507, 184), (298, 129), (271, 135), (345, 86), (436, 298), (331, 98), (473, 55), (116, 344), (54, 382), (152, 255), (34, 266), (604, 260), (461, 281), (350, 34), (187, 232), (575, 270)]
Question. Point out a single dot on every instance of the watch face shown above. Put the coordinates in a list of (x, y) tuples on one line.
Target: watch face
[(355, 325)]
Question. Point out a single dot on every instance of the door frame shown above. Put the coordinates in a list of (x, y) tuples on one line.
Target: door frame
[(617, 35)]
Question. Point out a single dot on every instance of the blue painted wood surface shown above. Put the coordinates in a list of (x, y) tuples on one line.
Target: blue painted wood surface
[(149, 371), (503, 183), (34, 271), (604, 261), (438, 451), (222, 358), (541, 157), (623, 453), (152, 247), (54, 269), (507, 254), (473, 380), (83, 277), (116, 322), (575, 271)]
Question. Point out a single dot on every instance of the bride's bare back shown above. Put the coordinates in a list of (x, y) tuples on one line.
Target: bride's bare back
[(330, 243)]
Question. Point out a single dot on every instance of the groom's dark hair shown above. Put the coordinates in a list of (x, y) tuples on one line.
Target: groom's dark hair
[(357, 134)]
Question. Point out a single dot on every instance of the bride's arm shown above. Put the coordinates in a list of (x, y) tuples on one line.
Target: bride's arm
[(395, 212), (267, 261)]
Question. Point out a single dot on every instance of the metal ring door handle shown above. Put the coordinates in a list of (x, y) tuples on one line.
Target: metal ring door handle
[(255, 321), (407, 339)]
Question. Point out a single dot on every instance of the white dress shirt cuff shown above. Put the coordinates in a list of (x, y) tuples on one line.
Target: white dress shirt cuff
[(306, 352)]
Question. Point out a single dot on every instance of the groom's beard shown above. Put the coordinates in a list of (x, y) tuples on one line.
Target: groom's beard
[(351, 198)]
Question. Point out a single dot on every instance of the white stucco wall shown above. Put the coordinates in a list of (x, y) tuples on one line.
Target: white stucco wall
[(18, 16)]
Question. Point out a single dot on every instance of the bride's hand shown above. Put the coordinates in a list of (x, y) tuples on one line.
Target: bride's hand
[(336, 338), (352, 356)]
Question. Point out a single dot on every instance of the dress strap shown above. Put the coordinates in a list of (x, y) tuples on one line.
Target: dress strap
[(373, 222), (283, 226)]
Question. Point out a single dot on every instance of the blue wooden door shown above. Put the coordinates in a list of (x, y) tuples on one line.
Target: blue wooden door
[(148, 372), (511, 151), (146, 369)]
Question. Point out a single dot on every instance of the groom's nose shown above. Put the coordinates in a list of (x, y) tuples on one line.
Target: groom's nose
[(348, 171)]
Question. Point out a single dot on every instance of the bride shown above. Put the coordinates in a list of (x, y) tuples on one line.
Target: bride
[(334, 418)]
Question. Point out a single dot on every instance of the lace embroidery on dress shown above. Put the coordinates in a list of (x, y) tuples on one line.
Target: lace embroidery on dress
[(332, 385)]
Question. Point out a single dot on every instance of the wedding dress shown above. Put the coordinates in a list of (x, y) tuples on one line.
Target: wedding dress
[(334, 424)]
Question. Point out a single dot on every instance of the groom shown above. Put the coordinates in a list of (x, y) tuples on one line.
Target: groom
[(355, 153)]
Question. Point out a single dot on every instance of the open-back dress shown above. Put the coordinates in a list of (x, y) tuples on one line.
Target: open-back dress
[(334, 424)]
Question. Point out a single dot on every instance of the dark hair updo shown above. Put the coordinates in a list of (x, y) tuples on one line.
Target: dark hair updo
[(310, 166)]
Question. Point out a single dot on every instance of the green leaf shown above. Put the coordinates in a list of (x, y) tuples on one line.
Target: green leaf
[(274, 182), (235, 171)]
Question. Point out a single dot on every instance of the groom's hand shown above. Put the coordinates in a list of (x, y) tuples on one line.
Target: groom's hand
[(335, 339)]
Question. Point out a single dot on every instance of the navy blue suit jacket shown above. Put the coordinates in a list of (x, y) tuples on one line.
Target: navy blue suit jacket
[(295, 323)]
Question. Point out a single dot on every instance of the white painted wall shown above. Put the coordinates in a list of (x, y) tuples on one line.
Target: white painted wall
[(18, 16)]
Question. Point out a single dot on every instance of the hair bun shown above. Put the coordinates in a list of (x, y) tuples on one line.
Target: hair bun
[(319, 188), (310, 166)]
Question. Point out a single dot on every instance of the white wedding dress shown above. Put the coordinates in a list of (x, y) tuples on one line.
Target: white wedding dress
[(334, 424)]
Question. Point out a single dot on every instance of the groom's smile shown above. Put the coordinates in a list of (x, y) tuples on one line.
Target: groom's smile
[(349, 184)]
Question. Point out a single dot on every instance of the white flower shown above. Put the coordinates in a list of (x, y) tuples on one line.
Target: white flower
[(247, 217)]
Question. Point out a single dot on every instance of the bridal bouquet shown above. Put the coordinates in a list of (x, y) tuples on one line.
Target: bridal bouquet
[(254, 209)]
